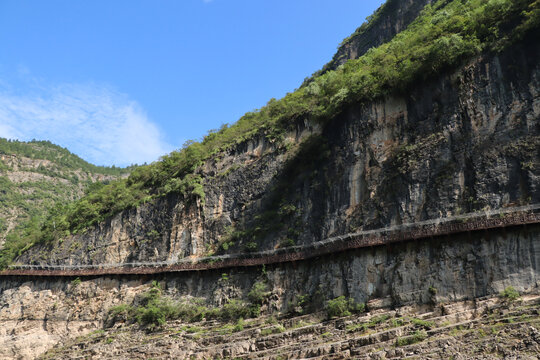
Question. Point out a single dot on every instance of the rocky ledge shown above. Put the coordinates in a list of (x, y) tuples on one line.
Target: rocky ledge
[(489, 328)]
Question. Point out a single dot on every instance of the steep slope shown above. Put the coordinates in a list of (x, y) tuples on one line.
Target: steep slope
[(455, 142), (390, 19), (36, 175), (441, 120), (486, 329)]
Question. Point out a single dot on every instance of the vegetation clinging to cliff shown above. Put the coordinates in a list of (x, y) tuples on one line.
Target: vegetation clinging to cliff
[(154, 309), (441, 38)]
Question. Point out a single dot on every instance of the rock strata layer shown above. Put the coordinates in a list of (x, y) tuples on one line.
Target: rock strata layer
[(461, 267)]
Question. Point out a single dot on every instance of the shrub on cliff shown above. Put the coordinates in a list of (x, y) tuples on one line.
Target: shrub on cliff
[(258, 293), (236, 309), (119, 313), (342, 306), (152, 316), (152, 310), (418, 336), (509, 294)]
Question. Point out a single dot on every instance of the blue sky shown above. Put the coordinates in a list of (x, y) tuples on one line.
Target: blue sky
[(126, 81)]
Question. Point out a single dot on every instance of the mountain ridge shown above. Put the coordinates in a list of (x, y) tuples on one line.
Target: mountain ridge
[(38, 175)]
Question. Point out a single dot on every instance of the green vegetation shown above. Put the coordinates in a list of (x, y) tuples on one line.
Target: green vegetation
[(276, 329), (342, 306), (60, 156), (422, 323), (232, 328), (445, 35), (258, 293), (397, 322), (76, 282), (153, 310), (393, 322), (372, 323), (418, 336), (509, 294), (303, 304), (24, 205), (119, 313)]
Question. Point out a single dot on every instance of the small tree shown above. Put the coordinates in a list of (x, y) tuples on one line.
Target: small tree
[(258, 293)]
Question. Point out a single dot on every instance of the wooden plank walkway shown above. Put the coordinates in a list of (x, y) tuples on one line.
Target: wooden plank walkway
[(472, 222)]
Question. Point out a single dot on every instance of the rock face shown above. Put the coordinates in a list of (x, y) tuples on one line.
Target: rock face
[(464, 267), (484, 329), (467, 141), (35, 315), (390, 19)]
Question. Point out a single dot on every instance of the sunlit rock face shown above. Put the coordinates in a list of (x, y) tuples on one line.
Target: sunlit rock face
[(467, 141), (463, 142)]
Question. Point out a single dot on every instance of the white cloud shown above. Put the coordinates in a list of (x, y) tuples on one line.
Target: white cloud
[(97, 123)]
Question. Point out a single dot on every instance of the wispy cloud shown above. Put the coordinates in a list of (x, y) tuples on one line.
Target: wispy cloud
[(96, 122)]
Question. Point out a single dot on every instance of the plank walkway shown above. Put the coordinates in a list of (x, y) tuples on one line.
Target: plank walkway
[(472, 222)]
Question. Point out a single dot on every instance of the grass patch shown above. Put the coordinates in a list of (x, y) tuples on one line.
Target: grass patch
[(422, 323), (417, 337), (365, 326), (277, 329)]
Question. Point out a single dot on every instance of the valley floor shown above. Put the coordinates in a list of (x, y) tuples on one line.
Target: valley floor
[(488, 328)]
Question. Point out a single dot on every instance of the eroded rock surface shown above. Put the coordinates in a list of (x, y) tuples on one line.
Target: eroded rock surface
[(36, 315), (465, 142), (485, 329)]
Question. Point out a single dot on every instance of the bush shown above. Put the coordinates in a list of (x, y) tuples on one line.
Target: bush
[(152, 316), (251, 246), (301, 305), (259, 292), (75, 282), (153, 310), (120, 312), (342, 306), (422, 323), (193, 311), (276, 329), (239, 325), (235, 309), (510, 294)]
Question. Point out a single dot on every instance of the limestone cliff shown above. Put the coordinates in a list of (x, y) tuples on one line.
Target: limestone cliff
[(390, 19), (467, 141), (437, 272)]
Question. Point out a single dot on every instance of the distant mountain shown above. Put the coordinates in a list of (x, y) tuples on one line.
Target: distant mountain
[(37, 175)]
